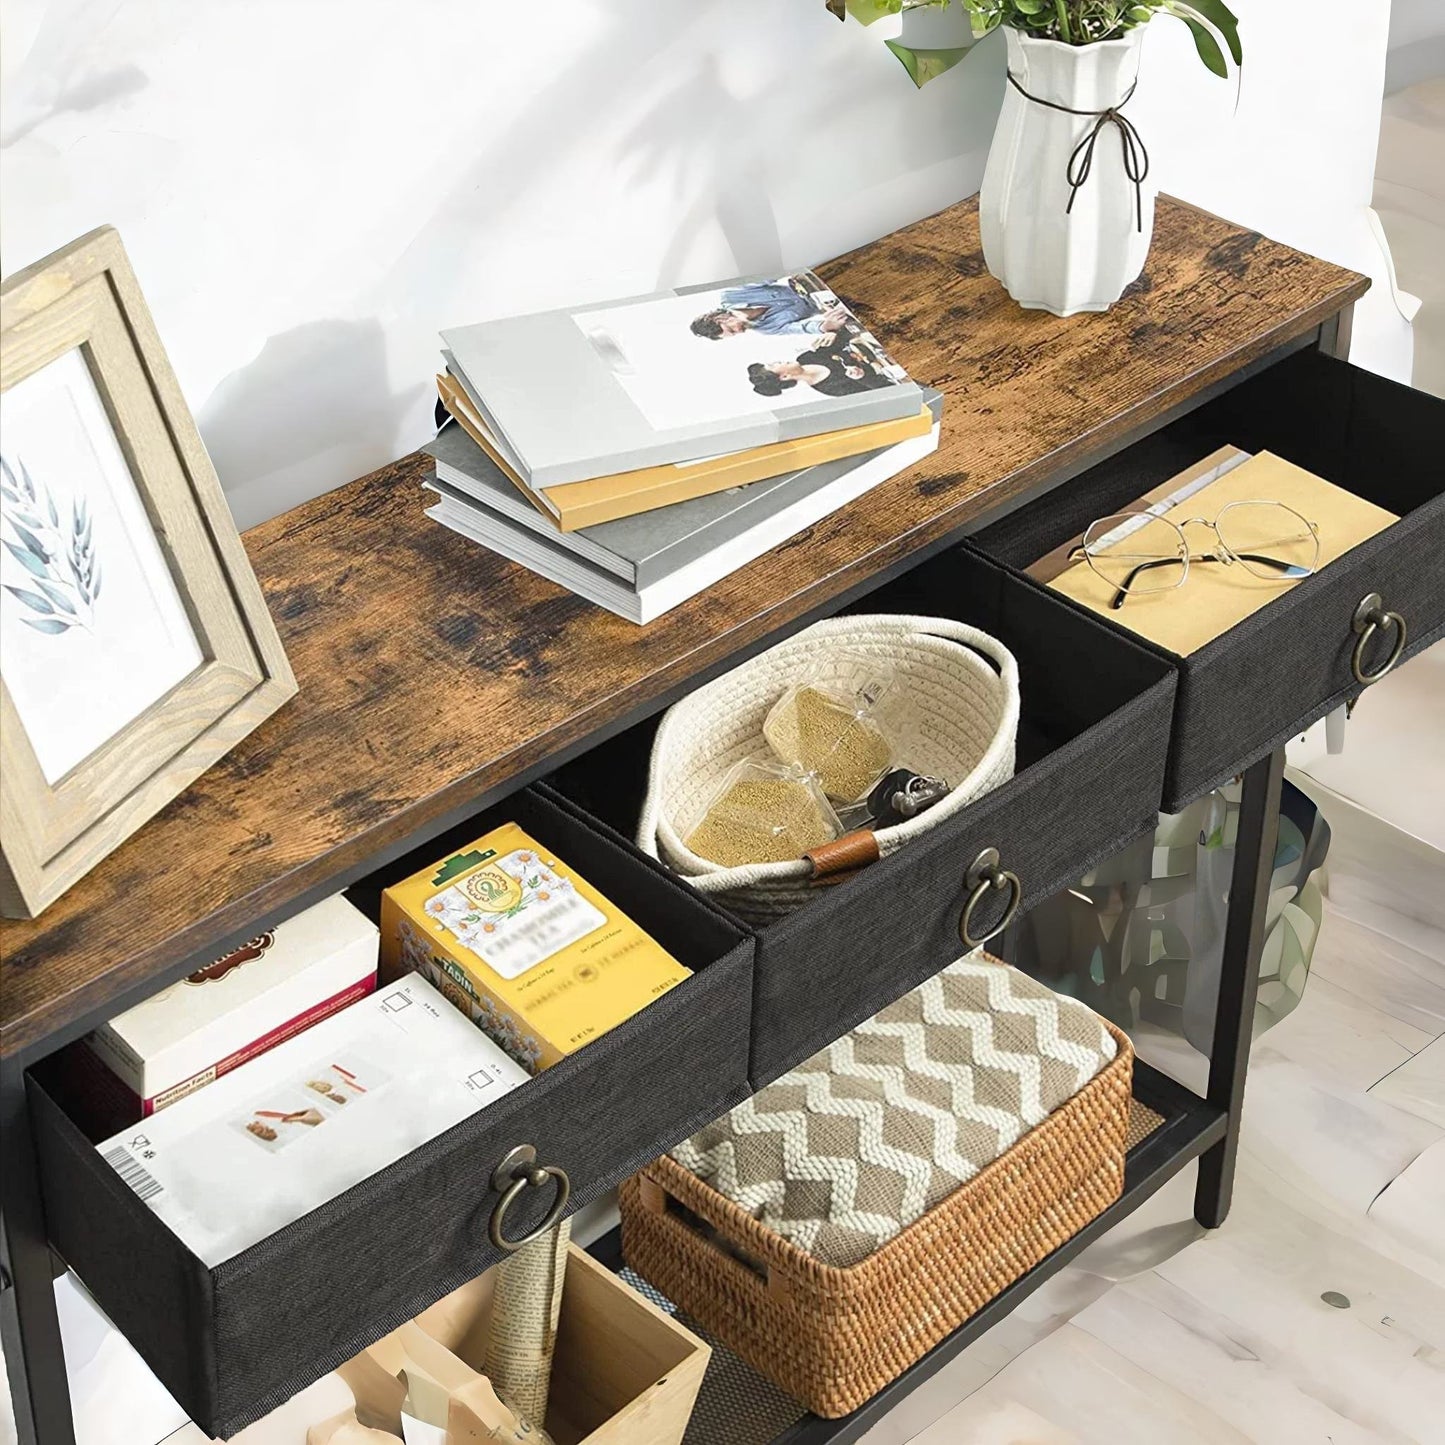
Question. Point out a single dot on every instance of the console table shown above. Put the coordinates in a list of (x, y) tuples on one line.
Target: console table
[(437, 680)]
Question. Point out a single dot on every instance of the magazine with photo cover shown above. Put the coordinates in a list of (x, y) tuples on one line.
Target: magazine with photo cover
[(589, 391)]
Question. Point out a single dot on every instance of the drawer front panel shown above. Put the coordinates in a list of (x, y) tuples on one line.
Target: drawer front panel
[(866, 942), (235, 1341), (1268, 679)]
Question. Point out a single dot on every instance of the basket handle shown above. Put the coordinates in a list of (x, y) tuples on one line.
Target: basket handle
[(838, 861), (657, 1199)]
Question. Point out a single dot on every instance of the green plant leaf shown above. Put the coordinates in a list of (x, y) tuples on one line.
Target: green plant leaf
[(865, 12), (1223, 19), (1206, 45), (925, 65)]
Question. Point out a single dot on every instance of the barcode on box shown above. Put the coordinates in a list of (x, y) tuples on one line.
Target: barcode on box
[(145, 1184)]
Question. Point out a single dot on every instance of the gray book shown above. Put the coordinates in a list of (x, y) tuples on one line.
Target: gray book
[(652, 562), (592, 390), (646, 549)]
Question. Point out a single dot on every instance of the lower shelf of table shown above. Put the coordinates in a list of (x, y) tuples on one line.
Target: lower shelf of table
[(1188, 1127)]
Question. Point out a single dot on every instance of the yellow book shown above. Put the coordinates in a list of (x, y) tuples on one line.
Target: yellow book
[(572, 505), (534, 955)]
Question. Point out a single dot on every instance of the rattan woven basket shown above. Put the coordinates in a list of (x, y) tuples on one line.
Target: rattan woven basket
[(963, 692), (834, 1337)]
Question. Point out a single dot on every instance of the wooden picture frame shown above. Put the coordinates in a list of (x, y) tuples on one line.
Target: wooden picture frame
[(137, 647)]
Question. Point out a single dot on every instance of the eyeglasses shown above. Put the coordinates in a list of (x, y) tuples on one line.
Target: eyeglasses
[(1140, 552)]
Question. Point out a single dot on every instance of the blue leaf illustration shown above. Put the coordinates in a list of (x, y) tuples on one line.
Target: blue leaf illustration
[(61, 601), (33, 600), (28, 560), (31, 541), (55, 545), (46, 624)]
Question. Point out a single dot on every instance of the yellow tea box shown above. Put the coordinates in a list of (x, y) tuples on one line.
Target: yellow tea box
[(534, 955)]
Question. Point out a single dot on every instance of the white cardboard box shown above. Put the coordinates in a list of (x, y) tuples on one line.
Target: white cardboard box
[(257, 996)]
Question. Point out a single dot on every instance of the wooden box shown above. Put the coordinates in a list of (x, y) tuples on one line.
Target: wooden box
[(624, 1372)]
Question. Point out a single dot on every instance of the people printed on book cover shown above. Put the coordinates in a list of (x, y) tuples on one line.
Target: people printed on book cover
[(775, 308), (842, 358), (842, 371), (731, 351)]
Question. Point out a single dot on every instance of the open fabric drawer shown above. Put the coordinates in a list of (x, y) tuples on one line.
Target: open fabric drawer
[(232, 1342), (1091, 748), (1302, 654)]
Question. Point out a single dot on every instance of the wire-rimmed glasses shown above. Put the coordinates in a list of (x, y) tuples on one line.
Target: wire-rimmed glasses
[(1140, 552)]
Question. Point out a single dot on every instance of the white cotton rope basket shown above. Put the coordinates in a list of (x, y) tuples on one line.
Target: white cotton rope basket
[(962, 692)]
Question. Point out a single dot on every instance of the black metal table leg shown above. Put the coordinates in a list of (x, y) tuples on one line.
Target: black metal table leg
[(1239, 978), (29, 1325)]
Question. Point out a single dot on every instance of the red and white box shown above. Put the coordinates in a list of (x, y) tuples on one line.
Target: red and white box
[(257, 996)]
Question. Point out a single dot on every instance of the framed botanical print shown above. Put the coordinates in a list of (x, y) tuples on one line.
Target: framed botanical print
[(135, 644)]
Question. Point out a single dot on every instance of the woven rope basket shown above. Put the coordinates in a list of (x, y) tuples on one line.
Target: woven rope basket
[(834, 1337), (963, 693)]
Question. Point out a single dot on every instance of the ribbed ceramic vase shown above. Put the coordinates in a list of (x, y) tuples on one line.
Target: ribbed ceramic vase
[(1050, 257)]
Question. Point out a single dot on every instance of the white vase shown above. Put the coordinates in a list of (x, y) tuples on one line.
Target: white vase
[(1048, 255)]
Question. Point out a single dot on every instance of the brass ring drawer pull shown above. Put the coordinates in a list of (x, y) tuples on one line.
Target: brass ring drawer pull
[(984, 877), (519, 1171), (1370, 618)]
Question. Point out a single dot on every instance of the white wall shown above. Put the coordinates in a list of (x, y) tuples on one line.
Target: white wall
[(310, 190)]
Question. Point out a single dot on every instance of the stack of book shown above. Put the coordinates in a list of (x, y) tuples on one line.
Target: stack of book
[(637, 452)]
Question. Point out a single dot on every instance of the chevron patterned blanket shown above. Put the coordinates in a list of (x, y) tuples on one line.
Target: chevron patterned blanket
[(848, 1149)]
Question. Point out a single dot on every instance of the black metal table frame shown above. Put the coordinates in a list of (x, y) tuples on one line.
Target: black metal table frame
[(29, 1323)]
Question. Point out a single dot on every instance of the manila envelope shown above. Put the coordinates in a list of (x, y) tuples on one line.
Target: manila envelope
[(1215, 597)]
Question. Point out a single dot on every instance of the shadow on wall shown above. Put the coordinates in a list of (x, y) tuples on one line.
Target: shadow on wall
[(315, 401), (94, 92), (510, 163), (701, 137), (737, 173)]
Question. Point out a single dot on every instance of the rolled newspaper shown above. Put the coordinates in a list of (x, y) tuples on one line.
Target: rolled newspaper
[(526, 1302)]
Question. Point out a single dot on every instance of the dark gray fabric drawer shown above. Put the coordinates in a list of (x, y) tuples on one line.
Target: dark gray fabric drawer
[(1096, 710), (233, 1342), (1250, 690)]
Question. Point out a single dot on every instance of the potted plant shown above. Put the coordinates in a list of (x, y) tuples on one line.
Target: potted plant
[(1066, 209)]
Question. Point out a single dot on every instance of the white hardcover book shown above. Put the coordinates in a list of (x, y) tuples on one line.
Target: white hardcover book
[(253, 998)]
